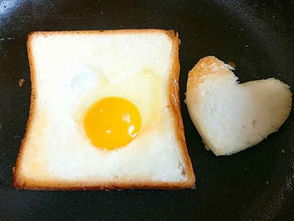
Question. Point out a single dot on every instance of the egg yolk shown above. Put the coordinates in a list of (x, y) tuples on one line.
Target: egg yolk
[(112, 122)]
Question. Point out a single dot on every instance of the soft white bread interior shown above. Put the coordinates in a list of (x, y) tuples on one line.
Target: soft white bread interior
[(229, 116), (70, 70)]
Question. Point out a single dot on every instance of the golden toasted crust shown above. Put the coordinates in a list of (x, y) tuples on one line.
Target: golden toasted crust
[(205, 66), (21, 182), (18, 179), (176, 109)]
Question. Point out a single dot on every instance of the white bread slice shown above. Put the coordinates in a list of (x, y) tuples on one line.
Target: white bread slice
[(55, 155), (229, 116)]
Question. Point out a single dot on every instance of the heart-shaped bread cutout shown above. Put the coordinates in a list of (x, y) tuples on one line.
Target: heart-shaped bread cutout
[(229, 116)]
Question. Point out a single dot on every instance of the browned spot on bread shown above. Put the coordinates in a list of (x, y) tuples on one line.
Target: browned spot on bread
[(232, 64), (21, 82)]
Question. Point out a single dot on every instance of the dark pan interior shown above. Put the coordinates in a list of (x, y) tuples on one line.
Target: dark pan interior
[(258, 36)]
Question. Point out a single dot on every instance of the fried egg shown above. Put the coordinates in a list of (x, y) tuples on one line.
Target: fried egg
[(113, 114)]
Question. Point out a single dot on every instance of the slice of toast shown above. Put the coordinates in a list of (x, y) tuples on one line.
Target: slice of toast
[(229, 116), (69, 70)]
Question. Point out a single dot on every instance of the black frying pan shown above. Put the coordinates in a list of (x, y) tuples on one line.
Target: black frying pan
[(252, 185)]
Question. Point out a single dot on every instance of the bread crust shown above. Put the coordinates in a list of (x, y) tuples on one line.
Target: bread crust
[(176, 108), (18, 179), (21, 182), (206, 66)]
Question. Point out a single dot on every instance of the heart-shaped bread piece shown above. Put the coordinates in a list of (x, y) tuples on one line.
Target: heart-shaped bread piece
[(229, 116)]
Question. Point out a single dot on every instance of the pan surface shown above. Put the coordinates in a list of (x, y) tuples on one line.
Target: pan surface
[(258, 36)]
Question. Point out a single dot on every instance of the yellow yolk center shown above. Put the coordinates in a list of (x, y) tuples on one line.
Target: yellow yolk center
[(112, 122)]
